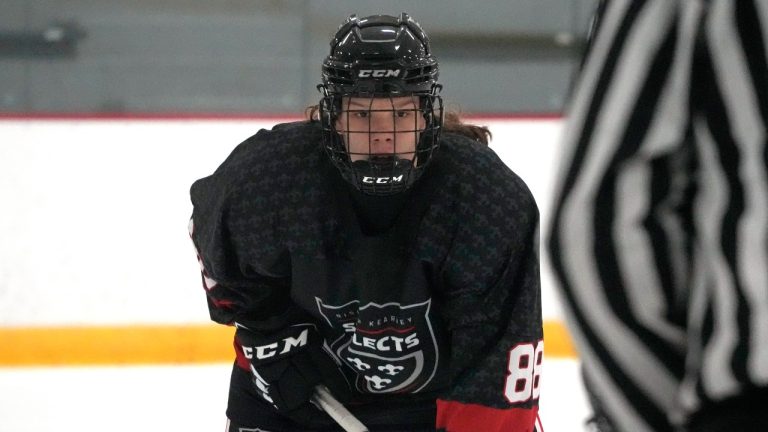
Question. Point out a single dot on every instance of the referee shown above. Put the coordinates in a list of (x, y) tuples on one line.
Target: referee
[(659, 237)]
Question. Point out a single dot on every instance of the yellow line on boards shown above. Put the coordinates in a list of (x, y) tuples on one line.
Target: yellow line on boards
[(156, 344), (115, 345), (557, 341)]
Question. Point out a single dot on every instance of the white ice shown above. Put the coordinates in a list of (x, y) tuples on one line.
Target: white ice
[(188, 398)]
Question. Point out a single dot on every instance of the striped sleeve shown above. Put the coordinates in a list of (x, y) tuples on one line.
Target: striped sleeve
[(658, 238), (730, 319)]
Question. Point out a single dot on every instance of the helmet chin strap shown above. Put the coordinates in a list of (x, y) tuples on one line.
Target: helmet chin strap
[(383, 159), (383, 175)]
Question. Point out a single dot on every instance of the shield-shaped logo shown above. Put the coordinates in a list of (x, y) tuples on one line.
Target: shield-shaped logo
[(389, 347)]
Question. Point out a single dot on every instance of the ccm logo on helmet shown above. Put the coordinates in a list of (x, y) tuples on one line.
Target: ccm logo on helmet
[(383, 180), (378, 73)]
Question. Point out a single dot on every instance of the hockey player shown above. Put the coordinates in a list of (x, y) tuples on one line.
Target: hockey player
[(377, 251)]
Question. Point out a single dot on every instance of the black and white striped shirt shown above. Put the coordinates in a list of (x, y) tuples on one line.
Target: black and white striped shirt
[(659, 237)]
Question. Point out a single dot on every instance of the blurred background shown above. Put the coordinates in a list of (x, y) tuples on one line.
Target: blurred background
[(263, 56), (109, 111)]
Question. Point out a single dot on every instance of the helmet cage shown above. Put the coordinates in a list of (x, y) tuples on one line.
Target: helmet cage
[(377, 173)]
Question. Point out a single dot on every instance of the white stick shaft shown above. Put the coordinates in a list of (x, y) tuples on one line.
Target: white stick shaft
[(336, 410)]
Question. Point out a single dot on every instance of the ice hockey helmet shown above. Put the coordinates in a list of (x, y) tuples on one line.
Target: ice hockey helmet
[(381, 56)]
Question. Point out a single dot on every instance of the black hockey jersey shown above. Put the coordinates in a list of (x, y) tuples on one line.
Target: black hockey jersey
[(431, 299)]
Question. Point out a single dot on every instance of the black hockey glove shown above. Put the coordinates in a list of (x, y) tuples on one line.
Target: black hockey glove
[(287, 365)]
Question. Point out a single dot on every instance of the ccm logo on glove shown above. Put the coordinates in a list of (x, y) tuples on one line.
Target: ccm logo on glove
[(286, 366), (270, 350)]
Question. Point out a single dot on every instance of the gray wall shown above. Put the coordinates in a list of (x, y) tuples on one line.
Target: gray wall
[(259, 56)]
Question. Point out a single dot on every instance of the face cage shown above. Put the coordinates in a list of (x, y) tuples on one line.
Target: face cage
[(375, 173)]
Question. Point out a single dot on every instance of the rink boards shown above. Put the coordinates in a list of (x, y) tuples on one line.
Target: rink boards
[(96, 265)]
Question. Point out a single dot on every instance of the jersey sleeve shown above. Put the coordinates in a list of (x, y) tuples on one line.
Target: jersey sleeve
[(244, 273), (493, 313)]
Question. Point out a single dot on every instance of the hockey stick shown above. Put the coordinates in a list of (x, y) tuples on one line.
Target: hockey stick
[(325, 400)]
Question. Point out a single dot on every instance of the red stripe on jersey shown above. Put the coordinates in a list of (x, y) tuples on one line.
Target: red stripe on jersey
[(222, 304), (459, 417), (240, 359)]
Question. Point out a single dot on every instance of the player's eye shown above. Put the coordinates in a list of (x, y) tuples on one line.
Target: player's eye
[(402, 114), (361, 114)]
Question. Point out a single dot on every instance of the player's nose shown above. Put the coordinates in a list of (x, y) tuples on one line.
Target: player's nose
[(382, 125), (382, 133)]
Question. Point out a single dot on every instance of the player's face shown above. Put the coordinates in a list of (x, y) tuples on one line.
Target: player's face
[(380, 126)]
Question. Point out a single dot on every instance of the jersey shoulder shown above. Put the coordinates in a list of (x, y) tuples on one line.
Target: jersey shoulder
[(492, 214), (478, 176), (255, 196), (266, 160)]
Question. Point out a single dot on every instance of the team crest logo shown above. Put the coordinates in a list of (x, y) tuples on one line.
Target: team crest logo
[(391, 348)]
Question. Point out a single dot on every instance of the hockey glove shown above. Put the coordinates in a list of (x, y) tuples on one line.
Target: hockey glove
[(287, 365)]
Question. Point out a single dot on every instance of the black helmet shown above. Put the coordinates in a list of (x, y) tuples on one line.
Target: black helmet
[(386, 60)]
